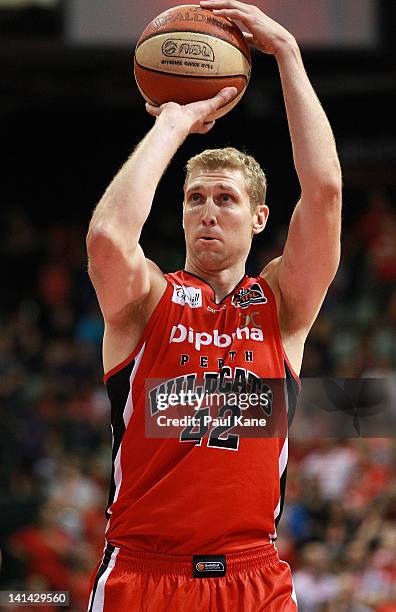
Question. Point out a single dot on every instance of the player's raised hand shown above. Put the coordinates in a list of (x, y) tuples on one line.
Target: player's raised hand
[(263, 32), (195, 117)]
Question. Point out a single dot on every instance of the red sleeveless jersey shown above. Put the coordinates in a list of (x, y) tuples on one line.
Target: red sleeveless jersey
[(197, 495)]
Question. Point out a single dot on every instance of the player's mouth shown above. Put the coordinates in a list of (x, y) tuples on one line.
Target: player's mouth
[(207, 238)]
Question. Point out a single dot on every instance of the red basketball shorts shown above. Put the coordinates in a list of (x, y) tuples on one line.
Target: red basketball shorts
[(250, 581)]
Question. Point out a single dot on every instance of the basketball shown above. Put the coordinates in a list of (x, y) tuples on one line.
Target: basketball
[(188, 54)]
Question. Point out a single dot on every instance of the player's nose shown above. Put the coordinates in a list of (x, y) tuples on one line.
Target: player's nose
[(208, 213)]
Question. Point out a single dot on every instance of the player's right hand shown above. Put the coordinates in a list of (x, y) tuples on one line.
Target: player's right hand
[(196, 117)]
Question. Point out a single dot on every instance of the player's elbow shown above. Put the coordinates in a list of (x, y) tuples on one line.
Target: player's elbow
[(99, 233), (327, 194), (332, 190), (102, 249), (97, 243), (330, 186)]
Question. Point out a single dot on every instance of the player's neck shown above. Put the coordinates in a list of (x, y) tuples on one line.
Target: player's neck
[(222, 281)]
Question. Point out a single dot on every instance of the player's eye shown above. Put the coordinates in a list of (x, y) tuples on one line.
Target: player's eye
[(226, 197), (195, 197)]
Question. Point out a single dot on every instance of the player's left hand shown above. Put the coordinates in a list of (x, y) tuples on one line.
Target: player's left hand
[(264, 33), (196, 117)]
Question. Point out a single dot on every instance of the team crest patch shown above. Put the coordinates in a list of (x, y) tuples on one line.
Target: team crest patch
[(246, 297), (192, 296)]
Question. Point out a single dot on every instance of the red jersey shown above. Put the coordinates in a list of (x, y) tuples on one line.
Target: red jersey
[(197, 494)]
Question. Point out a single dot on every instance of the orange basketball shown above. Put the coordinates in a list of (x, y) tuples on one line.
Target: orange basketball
[(187, 54)]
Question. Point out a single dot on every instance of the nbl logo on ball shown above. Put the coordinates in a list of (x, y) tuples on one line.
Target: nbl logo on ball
[(188, 49)]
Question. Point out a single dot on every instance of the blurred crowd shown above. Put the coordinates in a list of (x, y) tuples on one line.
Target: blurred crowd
[(338, 531)]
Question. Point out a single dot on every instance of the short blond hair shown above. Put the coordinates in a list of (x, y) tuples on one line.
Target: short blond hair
[(212, 159)]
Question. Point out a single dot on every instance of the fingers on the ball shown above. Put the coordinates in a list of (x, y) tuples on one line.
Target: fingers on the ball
[(228, 92), (224, 95), (249, 39), (226, 4), (234, 14)]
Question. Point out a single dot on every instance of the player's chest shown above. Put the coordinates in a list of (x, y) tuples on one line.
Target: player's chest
[(213, 336)]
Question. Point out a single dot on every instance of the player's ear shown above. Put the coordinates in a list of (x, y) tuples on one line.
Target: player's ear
[(260, 217)]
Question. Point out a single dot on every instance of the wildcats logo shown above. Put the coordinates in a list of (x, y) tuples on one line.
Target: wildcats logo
[(245, 297), (187, 295)]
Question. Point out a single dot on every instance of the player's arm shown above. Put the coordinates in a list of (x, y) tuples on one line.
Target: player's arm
[(119, 271), (312, 249)]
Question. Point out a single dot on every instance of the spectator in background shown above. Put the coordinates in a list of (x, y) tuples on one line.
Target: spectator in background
[(315, 583)]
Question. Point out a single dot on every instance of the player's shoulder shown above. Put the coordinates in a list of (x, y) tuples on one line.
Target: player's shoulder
[(174, 277)]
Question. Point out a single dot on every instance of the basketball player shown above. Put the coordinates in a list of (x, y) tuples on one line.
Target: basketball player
[(192, 520)]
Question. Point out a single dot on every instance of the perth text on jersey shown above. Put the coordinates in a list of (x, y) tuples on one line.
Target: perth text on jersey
[(180, 333), (192, 296)]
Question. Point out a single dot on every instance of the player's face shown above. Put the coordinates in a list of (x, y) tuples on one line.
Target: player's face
[(217, 218)]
